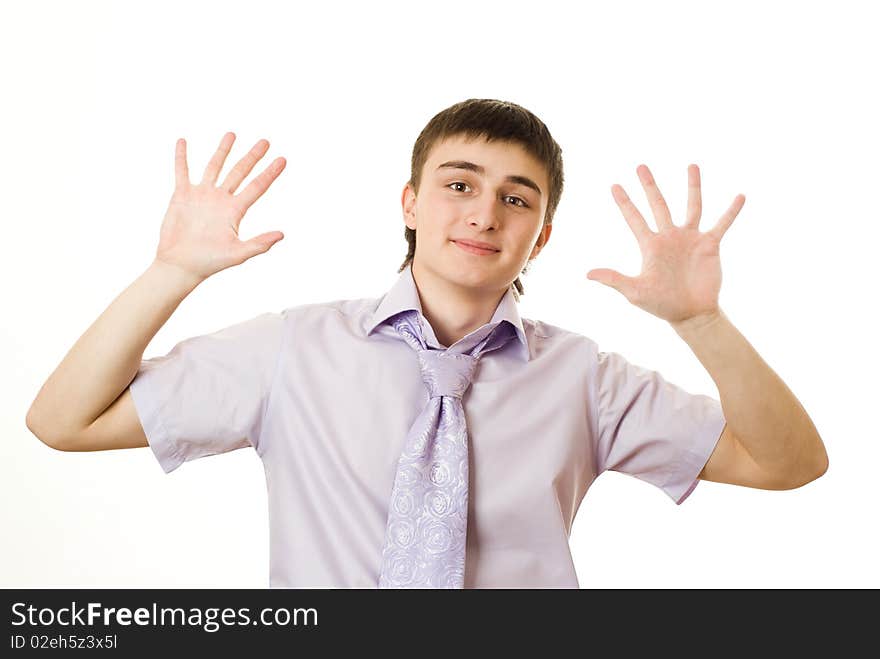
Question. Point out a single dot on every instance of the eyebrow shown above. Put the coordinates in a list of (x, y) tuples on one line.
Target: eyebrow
[(512, 178)]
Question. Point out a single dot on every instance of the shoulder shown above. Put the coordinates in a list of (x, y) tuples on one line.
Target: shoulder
[(345, 308), (341, 315), (547, 337)]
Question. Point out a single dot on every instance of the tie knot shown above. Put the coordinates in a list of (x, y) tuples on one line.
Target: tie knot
[(446, 373)]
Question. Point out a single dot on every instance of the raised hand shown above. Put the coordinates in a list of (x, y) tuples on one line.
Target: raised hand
[(199, 233), (681, 267)]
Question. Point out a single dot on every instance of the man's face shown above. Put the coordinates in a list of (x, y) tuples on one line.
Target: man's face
[(495, 205)]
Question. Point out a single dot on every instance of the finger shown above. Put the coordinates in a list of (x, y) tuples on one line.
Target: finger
[(621, 283), (630, 213), (695, 201), (260, 244), (244, 166), (658, 203), (216, 163), (730, 214), (181, 171), (259, 185)]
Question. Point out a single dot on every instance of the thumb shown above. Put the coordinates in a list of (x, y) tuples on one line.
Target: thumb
[(261, 243), (621, 283)]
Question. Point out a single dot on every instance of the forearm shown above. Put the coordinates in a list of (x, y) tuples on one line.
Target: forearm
[(106, 358), (759, 408)]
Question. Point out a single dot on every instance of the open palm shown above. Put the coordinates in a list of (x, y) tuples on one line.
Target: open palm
[(681, 266), (200, 231)]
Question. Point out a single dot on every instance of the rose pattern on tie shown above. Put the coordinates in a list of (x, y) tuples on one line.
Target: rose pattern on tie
[(426, 531)]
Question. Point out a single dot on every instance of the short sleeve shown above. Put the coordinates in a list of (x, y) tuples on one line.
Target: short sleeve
[(208, 395), (652, 429)]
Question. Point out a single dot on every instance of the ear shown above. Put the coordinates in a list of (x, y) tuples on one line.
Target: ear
[(543, 237), (408, 202)]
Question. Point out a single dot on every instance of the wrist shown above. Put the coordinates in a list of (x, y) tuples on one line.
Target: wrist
[(698, 322), (177, 276)]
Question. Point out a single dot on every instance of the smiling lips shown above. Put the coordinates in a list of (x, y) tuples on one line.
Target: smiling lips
[(475, 248)]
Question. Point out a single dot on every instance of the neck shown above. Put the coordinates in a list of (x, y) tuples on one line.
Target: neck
[(452, 310)]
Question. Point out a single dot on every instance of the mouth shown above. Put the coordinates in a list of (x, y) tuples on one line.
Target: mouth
[(473, 249)]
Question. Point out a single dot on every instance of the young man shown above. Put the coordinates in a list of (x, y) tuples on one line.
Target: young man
[(431, 437)]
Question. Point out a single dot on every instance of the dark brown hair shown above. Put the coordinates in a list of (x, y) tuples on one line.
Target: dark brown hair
[(490, 119)]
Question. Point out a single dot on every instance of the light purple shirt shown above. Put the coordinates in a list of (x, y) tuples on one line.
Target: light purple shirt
[(325, 393)]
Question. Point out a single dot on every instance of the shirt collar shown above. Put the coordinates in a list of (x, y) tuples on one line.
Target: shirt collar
[(404, 296)]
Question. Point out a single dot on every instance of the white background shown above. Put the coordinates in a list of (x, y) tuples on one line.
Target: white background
[(772, 100)]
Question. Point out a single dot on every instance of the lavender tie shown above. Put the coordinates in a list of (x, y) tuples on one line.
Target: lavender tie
[(426, 533)]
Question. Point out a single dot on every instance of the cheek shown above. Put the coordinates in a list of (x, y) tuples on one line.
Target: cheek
[(441, 221), (435, 212)]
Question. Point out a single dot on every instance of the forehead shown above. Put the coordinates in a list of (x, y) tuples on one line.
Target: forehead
[(499, 158)]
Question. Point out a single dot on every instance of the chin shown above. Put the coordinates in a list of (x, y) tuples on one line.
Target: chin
[(474, 276), (456, 268)]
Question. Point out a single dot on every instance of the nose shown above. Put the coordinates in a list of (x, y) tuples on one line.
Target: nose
[(485, 213)]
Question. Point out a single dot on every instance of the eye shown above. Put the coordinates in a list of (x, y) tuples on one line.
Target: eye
[(521, 204), (524, 204)]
